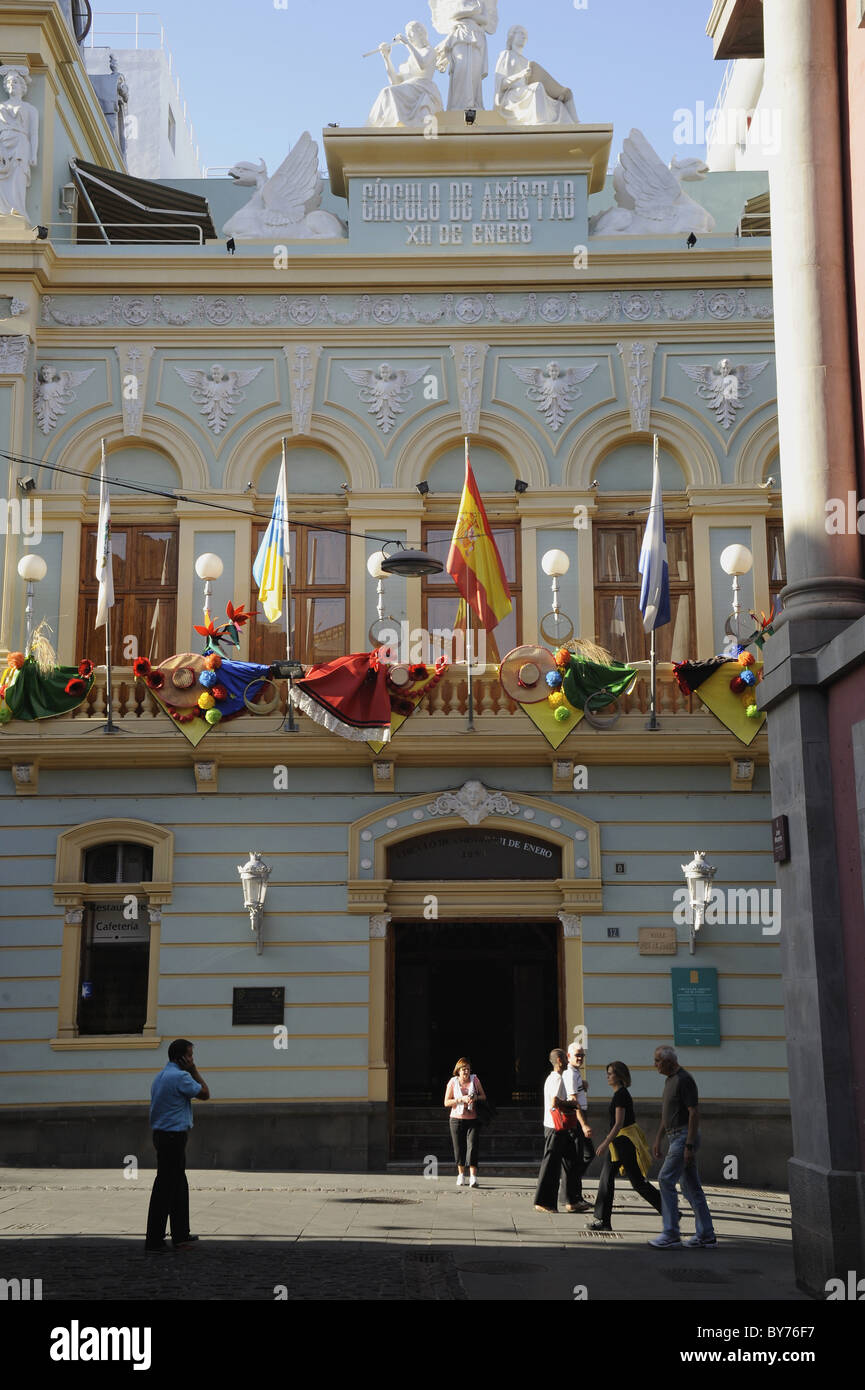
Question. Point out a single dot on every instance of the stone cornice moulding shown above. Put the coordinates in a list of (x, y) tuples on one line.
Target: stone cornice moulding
[(571, 304)]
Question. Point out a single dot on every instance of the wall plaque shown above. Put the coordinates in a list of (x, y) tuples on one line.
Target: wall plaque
[(658, 941), (258, 1005), (696, 1017)]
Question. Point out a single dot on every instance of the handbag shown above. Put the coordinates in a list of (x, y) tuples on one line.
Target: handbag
[(565, 1119), (485, 1111)]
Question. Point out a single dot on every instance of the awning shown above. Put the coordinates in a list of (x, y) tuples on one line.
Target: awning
[(118, 209)]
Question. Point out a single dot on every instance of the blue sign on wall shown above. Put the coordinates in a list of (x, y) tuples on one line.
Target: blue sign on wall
[(696, 1017)]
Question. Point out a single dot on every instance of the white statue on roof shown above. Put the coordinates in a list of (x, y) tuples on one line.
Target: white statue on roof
[(650, 197), (413, 95), (288, 205), (463, 54), (19, 141), (526, 94)]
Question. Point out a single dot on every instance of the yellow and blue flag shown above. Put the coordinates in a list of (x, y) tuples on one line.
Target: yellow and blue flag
[(274, 554)]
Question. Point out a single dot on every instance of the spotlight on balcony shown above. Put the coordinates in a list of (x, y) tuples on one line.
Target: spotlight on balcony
[(520, 487), (423, 488)]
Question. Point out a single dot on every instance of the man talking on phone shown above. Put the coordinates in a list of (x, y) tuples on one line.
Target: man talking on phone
[(171, 1097)]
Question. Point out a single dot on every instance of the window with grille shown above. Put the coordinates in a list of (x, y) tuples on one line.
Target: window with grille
[(440, 596), (319, 591), (618, 620), (144, 616)]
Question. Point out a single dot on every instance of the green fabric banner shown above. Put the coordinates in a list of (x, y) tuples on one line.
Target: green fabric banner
[(33, 694)]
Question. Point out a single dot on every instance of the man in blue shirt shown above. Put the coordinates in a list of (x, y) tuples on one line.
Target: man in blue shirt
[(171, 1097)]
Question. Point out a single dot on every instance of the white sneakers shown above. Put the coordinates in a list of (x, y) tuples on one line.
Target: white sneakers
[(460, 1180), (473, 1182)]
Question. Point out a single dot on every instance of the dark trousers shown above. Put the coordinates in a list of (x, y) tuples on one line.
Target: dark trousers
[(585, 1153), (606, 1188), (169, 1199), (560, 1151), (464, 1137)]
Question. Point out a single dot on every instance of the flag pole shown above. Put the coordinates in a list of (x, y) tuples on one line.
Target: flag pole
[(653, 696), (290, 726), (109, 727), (470, 708)]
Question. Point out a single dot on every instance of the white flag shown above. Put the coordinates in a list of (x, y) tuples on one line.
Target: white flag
[(104, 566)]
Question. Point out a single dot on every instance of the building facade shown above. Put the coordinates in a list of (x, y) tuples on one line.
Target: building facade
[(451, 892)]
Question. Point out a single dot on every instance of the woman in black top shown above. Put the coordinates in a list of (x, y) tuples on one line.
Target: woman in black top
[(621, 1115)]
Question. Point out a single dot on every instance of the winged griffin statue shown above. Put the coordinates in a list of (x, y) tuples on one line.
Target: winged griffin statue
[(725, 387), (649, 196), (286, 205), (553, 390), (386, 392)]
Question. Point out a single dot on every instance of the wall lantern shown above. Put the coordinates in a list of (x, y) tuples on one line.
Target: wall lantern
[(253, 877), (698, 876)]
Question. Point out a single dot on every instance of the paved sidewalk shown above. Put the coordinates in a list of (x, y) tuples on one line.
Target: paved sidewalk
[(362, 1236)]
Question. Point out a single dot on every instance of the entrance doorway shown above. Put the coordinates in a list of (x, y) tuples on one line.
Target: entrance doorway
[(485, 990)]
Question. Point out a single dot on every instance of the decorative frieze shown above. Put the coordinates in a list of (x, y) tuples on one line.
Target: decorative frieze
[(302, 361), (134, 361), (53, 391), (470, 359), (474, 803), (386, 392), (726, 387), (553, 389), (637, 358), (217, 391), (13, 354), (386, 311)]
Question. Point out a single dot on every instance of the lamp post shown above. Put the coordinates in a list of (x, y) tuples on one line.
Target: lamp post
[(374, 568), (556, 563), (698, 876), (31, 568), (253, 876), (208, 567), (737, 560)]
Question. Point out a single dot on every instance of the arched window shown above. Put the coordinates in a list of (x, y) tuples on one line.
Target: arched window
[(112, 877)]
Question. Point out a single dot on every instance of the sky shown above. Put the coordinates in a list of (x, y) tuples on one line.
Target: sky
[(257, 73)]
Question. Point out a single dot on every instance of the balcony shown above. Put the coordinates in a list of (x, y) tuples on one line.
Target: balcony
[(688, 732)]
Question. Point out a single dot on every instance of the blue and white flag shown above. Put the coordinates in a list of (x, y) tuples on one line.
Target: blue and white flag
[(274, 554), (655, 588)]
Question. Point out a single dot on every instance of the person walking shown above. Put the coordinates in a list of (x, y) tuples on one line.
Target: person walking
[(581, 1137), (171, 1096), (559, 1151), (680, 1117), (625, 1147), (463, 1092)]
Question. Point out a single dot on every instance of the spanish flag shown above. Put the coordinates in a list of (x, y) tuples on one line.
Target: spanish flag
[(474, 562)]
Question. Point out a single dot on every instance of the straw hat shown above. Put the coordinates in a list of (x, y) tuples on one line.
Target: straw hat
[(181, 688), (523, 674)]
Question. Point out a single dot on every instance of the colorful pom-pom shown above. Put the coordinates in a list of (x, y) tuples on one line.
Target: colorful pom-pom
[(554, 679), (206, 700), (562, 657), (752, 712), (5, 714), (17, 660), (746, 658), (737, 685), (207, 679), (213, 716), (213, 661), (562, 713), (748, 677), (556, 697), (219, 692)]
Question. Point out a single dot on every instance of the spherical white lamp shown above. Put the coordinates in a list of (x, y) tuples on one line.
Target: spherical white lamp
[(555, 563), (209, 567), (736, 559), (373, 564), (32, 568)]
